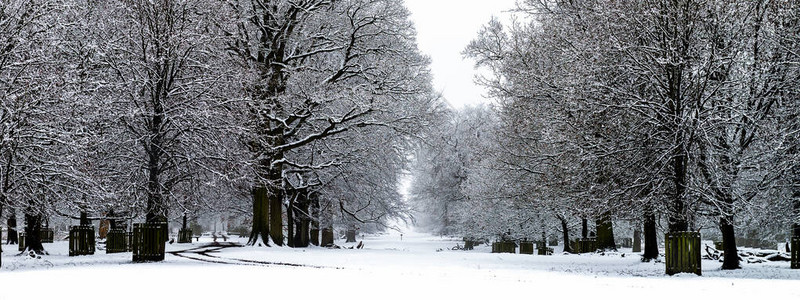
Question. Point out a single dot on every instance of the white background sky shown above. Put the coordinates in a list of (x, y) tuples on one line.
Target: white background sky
[(444, 28)]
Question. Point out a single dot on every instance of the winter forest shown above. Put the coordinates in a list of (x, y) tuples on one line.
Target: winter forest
[(621, 138)]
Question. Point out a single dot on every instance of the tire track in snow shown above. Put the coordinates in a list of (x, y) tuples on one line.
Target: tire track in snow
[(203, 254)]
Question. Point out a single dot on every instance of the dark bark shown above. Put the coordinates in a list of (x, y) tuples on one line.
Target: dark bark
[(301, 219), (584, 228), (796, 204), (678, 219), (351, 236), (605, 233), (327, 237), (731, 255), (33, 225), (565, 233), (276, 219), (84, 219), (260, 217), (314, 231), (13, 236), (183, 225), (112, 219), (1, 242), (650, 237)]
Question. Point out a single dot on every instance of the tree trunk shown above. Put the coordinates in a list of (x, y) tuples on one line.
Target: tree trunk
[(13, 236), (650, 237), (637, 240), (33, 224), (1, 239), (290, 222), (565, 233), (84, 219), (260, 217), (350, 235), (678, 217), (796, 204), (301, 220), (584, 228), (315, 214), (183, 226), (605, 233), (731, 255), (276, 217), (327, 237)]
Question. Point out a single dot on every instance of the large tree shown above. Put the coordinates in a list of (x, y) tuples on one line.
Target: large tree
[(316, 69)]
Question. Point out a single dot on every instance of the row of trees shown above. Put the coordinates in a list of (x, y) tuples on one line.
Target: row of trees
[(632, 110), (155, 109)]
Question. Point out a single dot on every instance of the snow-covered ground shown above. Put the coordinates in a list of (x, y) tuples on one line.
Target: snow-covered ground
[(419, 266)]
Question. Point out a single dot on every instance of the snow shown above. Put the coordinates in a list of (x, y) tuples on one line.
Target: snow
[(418, 267)]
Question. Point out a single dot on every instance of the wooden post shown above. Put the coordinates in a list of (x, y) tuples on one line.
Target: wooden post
[(682, 252)]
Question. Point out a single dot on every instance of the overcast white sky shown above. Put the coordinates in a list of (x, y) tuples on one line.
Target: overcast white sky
[(444, 28)]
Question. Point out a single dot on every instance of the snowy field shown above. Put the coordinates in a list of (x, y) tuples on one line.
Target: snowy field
[(418, 267)]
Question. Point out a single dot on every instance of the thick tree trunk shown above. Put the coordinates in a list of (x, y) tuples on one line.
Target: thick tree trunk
[(584, 228), (678, 216), (155, 201), (13, 236), (85, 219), (565, 233), (276, 217), (112, 219), (731, 255), (637, 240), (260, 217), (33, 224), (301, 220), (605, 233), (650, 237)]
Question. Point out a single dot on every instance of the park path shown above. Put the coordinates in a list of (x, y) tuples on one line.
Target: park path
[(207, 253)]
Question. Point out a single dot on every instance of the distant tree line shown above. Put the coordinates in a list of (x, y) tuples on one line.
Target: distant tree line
[(683, 111)]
